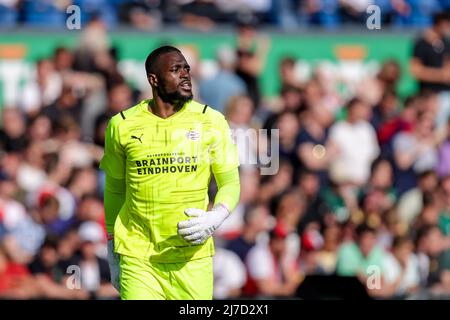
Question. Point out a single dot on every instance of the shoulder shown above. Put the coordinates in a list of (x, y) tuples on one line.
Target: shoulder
[(304, 136), (206, 109), (420, 41), (207, 112), (365, 126), (127, 115), (389, 261), (338, 128)]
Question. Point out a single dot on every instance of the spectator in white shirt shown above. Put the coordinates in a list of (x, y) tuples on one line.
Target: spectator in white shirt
[(401, 268), (229, 274), (272, 270), (357, 145)]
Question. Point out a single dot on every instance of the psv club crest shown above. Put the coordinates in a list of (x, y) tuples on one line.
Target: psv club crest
[(193, 135)]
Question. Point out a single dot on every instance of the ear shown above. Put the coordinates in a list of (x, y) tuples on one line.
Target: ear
[(153, 80)]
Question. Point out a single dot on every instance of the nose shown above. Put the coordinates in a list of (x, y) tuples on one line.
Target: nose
[(184, 74)]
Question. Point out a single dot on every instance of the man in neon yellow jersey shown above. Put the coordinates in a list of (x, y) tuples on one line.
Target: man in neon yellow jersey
[(159, 156)]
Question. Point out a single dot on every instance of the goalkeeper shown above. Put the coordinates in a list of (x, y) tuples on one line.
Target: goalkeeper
[(159, 156)]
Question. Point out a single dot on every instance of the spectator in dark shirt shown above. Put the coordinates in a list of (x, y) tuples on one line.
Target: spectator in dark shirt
[(252, 52), (434, 259), (386, 110), (313, 148), (50, 275), (95, 275), (67, 104), (291, 100), (12, 134), (430, 64), (308, 183), (257, 219)]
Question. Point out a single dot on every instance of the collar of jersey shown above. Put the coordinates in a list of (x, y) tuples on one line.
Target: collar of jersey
[(145, 104)]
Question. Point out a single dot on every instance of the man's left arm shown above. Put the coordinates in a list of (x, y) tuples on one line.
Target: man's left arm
[(203, 223), (224, 165), (229, 189)]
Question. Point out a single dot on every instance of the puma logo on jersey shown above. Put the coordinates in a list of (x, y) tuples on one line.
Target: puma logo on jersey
[(138, 138)]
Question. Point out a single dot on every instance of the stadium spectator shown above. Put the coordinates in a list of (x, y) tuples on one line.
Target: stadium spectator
[(291, 100), (288, 125), (326, 256), (443, 165), (218, 90), (402, 122), (239, 113), (229, 274), (434, 261), (353, 11), (51, 278), (356, 145), (429, 63), (400, 269), (314, 149), (252, 49), (42, 91), (257, 220), (411, 202), (13, 131), (308, 185), (355, 257), (386, 110), (288, 75), (94, 269), (382, 179), (271, 270), (415, 152)]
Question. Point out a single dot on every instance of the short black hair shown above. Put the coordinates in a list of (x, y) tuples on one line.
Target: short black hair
[(51, 241), (153, 57), (364, 228), (440, 17)]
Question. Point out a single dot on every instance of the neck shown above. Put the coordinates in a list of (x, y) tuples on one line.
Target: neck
[(351, 120), (249, 235), (163, 109), (433, 34)]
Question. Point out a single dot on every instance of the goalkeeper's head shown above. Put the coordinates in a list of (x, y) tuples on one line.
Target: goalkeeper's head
[(169, 75)]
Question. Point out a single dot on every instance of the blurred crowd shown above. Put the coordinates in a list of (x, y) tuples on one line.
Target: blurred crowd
[(362, 189), (205, 14)]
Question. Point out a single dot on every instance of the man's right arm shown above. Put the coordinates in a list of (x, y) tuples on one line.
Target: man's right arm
[(428, 74), (113, 164), (113, 199)]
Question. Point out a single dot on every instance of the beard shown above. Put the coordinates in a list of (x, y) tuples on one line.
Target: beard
[(175, 98)]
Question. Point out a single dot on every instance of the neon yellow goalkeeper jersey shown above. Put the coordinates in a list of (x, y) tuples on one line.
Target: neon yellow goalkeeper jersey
[(167, 165)]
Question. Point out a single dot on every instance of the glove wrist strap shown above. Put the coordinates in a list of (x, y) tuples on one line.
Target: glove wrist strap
[(220, 207)]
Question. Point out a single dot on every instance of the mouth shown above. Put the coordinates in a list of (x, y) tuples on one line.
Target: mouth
[(186, 85)]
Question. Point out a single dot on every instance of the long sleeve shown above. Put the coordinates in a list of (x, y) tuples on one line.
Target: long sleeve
[(113, 198), (229, 188), (113, 164)]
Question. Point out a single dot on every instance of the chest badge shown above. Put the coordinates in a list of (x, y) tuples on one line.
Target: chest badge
[(193, 135)]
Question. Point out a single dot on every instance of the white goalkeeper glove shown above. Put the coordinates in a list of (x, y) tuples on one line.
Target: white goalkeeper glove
[(203, 224)]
